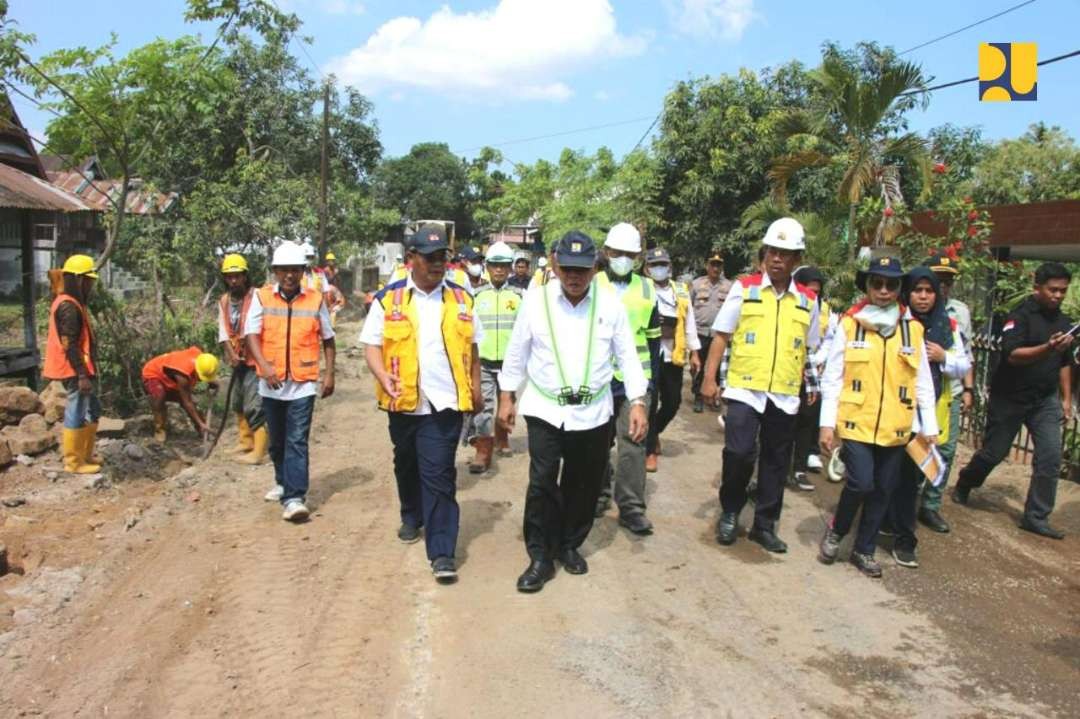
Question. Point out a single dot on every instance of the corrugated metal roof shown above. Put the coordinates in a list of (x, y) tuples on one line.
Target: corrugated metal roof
[(139, 202), (24, 191)]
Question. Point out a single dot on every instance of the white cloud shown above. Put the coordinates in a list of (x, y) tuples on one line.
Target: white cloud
[(343, 7), (519, 48), (726, 19)]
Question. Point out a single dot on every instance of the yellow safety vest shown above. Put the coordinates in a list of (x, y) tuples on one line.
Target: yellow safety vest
[(682, 306), (639, 299), (878, 402), (401, 326), (768, 347)]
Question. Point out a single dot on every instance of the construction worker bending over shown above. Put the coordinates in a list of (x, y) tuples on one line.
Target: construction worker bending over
[(497, 305), (286, 325), (420, 339), (69, 358), (768, 321), (563, 350), (172, 377), (876, 391), (245, 402)]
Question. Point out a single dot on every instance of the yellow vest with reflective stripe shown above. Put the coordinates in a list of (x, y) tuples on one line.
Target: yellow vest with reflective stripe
[(639, 299), (877, 401), (497, 309), (768, 346), (682, 306), (401, 327)]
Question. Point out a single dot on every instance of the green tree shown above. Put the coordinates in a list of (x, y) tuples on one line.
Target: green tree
[(1043, 164), (428, 183)]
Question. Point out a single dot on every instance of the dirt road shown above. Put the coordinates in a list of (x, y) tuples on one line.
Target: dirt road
[(210, 605)]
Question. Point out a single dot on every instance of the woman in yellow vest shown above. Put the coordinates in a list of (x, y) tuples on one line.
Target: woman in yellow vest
[(876, 391), (948, 363)]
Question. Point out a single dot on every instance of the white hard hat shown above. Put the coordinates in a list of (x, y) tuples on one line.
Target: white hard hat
[(288, 254), (624, 237), (399, 258), (309, 249), (542, 262), (499, 252), (785, 234)]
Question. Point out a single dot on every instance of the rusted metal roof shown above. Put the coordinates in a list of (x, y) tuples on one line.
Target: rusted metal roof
[(24, 191), (97, 193)]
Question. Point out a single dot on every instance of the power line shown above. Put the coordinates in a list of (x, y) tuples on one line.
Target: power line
[(966, 80), (967, 27), (300, 44), (560, 134)]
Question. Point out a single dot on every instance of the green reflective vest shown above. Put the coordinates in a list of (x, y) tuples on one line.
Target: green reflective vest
[(639, 299), (496, 309)]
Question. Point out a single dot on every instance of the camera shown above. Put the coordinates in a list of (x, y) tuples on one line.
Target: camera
[(570, 396)]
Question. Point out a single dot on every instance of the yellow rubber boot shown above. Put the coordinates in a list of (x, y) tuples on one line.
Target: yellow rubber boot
[(260, 442), (90, 440), (72, 447), (245, 441), (161, 421)]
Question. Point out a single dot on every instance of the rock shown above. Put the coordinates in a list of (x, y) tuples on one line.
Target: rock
[(24, 616), (22, 441), (95, 481), (140, 424), (131, 518), (12, 501), (110, 427), (24, 460), (194, 497), (54, 397), (52, 476), (17, 402), (134, 451), (5, 453), (33, 424)]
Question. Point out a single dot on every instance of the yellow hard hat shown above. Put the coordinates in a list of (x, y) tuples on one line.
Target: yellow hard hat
[(233, 263), (80, 265), (331, 256), (206, 366)]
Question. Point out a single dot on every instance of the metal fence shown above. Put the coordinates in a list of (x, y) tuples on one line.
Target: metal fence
[(987, 352)]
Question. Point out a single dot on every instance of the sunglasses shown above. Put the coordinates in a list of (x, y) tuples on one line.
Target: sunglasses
[(892, 284)]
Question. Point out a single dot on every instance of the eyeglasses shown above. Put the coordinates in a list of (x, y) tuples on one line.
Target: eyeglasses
[(892, 284)]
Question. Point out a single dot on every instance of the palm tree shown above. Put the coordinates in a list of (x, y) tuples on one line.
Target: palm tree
[(855, 120)]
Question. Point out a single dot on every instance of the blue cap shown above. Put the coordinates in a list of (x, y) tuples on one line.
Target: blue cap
[(429, 239), (882, 267), (575, 249), (472, 254), (657, 254)]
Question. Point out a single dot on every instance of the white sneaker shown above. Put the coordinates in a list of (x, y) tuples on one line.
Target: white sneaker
[(295, 511), (813, 463), (720, 421), (274, 495)]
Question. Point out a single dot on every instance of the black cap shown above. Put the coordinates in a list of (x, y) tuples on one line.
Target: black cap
[(882, 267), (657, 254), (428, 239), (471, 254), (941, 262), (575, 249)]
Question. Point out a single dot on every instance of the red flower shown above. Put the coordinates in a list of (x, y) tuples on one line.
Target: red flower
[(940, 168), (972, 231), (888, 212), (973, 215)]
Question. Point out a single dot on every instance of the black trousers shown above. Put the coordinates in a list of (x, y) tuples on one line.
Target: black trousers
[(559, 510), (665, 402), (695, 386), (745, 430), (806, 431)]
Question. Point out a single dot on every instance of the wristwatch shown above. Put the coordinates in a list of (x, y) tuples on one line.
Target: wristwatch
[(639, 401)]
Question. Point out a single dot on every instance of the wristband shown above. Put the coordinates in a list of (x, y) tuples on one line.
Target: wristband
[(639, 401)]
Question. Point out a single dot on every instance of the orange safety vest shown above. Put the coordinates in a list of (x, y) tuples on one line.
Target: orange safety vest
[(236, 333), (182, 361), (291, 334), (57, 365)]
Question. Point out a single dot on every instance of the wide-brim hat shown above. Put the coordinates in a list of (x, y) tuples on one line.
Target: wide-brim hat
[(882, 267)]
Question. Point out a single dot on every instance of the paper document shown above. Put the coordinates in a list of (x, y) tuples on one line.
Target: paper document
[(928, 460)]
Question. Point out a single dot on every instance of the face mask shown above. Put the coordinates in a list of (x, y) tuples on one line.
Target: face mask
[(475, 270), (621, 266), (660, 273)]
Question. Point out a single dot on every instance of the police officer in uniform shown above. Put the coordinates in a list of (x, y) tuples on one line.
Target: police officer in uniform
[(562, 352), (769, 322), (707, 294)]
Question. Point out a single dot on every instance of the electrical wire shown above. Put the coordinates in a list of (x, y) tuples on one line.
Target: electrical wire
[(560, 134), (966, 80), (966, 27)]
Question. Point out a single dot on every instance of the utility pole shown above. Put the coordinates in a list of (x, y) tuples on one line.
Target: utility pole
[(324, 171)]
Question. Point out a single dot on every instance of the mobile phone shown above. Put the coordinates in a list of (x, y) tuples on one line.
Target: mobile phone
[(1073, 330)]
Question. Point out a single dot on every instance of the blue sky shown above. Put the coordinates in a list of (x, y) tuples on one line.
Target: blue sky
[(491, 71)]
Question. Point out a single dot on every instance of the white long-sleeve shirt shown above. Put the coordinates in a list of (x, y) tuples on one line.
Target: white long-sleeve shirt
[(530, 356), (832, 382)]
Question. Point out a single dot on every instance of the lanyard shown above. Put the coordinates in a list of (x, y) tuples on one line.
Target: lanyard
[(589, 346)]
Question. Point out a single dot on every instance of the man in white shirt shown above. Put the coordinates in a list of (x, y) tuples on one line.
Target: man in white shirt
[(678, 343), (561, 353), (421, 346)]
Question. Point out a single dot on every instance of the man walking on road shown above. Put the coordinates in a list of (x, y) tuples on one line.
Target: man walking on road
[(678, 341), (497, 305), (246, 403), (286, 325), (565, 342), (769, 322), (707, 294), (1032, 387), (420, 344), (626, 477)]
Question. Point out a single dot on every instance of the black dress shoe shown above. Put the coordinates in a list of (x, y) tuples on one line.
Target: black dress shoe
[(637, 523), (1041, 528), (408, 533), (538, 574), (961, 495), (573, 562), (768, 539), (727, 528), (933, 520)]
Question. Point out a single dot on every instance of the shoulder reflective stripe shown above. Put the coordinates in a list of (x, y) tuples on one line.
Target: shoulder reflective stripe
[(754, 292), (905, 333), (284, 312), (860, 332)]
